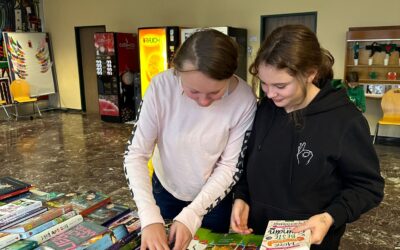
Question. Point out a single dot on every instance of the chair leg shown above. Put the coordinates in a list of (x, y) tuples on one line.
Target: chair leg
[(5, 111), (16, 111), (37, 106), (376, 132)]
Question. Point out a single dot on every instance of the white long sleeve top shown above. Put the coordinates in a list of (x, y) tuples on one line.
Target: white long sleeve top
[(196, 158)]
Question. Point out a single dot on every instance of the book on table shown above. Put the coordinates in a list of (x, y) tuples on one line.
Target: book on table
[(10, 187), (107, 214), (7, 239), (11, 211)]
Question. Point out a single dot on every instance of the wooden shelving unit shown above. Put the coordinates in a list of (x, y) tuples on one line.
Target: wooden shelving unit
[(365, 36)]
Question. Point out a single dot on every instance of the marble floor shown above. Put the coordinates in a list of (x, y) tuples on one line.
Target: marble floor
[(68, 152)]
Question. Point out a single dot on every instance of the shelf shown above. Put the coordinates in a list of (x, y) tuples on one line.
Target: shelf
[(378, 81), (373, 96), (373, 66)]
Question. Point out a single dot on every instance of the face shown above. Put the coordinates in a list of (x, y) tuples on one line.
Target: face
[(353, 84), (201, 88), (283, 89)]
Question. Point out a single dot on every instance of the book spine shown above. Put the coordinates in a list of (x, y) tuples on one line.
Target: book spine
[(57, 229), (96, 206), (47, 225), (22, 217), (8, 240), (21, 210), (5, 196), (54, 213)]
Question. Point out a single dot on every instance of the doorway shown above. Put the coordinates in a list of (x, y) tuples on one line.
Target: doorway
[(86, 55)]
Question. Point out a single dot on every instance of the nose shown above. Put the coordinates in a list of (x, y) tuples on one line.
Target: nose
[(204, 101), (269, 92)]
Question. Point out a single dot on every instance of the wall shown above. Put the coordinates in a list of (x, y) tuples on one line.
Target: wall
[(334, 18)]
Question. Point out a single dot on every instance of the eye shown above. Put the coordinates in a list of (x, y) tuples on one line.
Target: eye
[(279, 86), (194, 91)]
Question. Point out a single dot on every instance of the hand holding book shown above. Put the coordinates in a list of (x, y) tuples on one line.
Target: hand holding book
[(318, 225)]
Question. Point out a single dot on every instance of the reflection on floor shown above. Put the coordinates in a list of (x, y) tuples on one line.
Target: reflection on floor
[(67, 152)]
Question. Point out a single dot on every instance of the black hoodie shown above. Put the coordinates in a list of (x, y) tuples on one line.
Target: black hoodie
[(326, 165)]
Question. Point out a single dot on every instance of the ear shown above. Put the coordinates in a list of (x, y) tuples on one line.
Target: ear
[(311, 75)]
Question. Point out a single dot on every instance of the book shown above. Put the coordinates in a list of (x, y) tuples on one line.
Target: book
[(39, 220), (22, 245), (25, 195), (44, 196), (89, 201), (83, 203), (47, 225), (107, 214), (74, 237), (279, 235), (10, 187), (7, 239), (23, 217), (11, 210), (57, 229), (130, 220)]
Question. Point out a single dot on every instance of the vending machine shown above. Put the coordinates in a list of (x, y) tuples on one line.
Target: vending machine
[(238, 34), (157, 47), (118, 81)]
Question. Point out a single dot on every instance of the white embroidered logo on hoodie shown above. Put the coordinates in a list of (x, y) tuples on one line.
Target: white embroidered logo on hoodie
[(304, 155)]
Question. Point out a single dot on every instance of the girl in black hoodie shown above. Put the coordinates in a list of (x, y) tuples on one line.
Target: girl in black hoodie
[(310, 155)]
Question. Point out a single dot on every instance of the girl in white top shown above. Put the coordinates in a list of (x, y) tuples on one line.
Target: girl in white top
[(194, 118)]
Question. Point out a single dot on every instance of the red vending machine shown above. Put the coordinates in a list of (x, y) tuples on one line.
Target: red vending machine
[(118, 80), (157, 47)]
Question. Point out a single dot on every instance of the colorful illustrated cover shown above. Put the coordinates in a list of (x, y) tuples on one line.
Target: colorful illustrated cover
[(39, 220), (107, 214), (74, 237), (130, 220), (44, 196), (89, 201), (279, 235), (10, 187)]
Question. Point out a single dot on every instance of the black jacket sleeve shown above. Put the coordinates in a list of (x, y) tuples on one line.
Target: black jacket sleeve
[(362, 183)]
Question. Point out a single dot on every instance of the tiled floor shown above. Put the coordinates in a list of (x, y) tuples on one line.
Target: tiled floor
[(69, 152)]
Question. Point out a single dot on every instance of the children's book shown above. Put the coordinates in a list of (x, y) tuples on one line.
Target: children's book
[(44, 196), (22, 245), (12, 210), (130, 220), (73, 238), (10, 187), (39, 220), (57, 229), (7, 239), (107, 214), (47, 225), (279, 235)]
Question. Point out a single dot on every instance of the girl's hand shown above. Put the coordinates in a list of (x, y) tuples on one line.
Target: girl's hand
[(239, 217)]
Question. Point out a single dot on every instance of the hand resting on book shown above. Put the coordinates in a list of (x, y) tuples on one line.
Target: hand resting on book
[(319, 225)]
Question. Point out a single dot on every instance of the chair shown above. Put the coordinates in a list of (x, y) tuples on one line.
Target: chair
[(20, 91), (391, 110)]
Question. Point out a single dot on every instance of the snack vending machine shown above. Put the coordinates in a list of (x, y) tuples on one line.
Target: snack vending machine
[(157, 47), (118, 81), (238, 34)]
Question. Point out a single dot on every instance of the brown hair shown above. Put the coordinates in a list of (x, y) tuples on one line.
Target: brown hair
[(352, 76), (296, 49), (211, 52)]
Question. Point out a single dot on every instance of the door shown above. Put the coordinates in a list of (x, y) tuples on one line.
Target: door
[(87, 67)]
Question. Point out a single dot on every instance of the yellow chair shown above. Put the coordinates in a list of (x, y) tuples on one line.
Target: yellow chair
[(391, 110), (20, 91), (2, 104)]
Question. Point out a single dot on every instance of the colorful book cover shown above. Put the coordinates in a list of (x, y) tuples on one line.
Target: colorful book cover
[(11, 210), (39, 220), (89, 201), (7, 239), (131, 237), (107, 214), (74, 237), (47, 225), (130, 220), (10, 187), (23, 195), (22, 245), (279, 235), (23, 217), (57, 229), (102, 241)]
